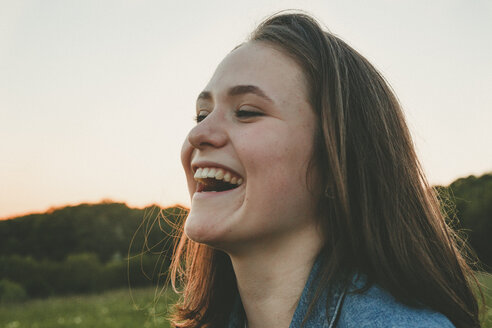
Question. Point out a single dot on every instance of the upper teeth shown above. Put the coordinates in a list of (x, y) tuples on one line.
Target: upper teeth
[(218, 174)]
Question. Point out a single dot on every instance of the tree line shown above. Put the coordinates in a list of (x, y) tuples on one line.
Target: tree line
[(468, 204), (92, 247), (85, 248)]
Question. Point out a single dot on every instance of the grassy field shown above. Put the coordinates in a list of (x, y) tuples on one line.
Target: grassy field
[(486, 281), (115, 309)]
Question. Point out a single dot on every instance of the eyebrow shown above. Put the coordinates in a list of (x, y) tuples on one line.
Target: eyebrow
[(236, 91)]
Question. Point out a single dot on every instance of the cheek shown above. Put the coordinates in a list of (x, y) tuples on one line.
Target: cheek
[(277, 157)]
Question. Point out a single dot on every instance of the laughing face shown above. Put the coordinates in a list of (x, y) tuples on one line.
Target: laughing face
[(246, 159)]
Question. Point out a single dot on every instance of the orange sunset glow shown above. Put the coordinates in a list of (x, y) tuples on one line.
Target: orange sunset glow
[(96, 98)]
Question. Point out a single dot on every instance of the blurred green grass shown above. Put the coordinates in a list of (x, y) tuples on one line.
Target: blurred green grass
[(115, 309), (112, 309), (486, 281)]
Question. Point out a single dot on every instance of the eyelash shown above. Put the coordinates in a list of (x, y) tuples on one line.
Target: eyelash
[(239, 113), (247, 113), (200, 117)]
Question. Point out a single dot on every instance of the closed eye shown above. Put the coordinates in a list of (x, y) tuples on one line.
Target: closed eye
[(241, 113), (201, 116)]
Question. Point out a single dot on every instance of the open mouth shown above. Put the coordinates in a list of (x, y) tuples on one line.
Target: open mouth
[(216, 180)]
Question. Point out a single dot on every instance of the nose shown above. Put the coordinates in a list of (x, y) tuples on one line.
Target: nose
[(208, 133)]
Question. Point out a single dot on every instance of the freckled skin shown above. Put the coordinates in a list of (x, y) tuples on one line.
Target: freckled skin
[(271, 152)]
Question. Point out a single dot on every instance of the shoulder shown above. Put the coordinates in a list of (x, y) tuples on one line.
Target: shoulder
[(377, 308)]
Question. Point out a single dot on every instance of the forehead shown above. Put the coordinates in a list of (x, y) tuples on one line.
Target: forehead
[(261, 65)]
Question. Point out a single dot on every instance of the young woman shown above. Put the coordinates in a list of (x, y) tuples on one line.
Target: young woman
[(309, 206)]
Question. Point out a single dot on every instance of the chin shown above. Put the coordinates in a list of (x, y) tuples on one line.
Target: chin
[(201, 230)]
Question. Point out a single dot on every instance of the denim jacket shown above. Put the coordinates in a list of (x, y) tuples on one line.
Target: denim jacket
[(373, 308)]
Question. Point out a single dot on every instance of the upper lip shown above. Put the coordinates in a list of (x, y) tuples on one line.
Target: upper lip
[(195, 166)]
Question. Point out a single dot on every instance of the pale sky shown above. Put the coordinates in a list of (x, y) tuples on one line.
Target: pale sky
[(96, 97)]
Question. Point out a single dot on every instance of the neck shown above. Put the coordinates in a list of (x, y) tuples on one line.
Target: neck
[(271, 276)]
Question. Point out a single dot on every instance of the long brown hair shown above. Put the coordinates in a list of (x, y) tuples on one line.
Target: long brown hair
[(379, 214)]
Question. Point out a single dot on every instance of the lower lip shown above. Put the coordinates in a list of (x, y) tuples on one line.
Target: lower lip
[(211, 194)]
